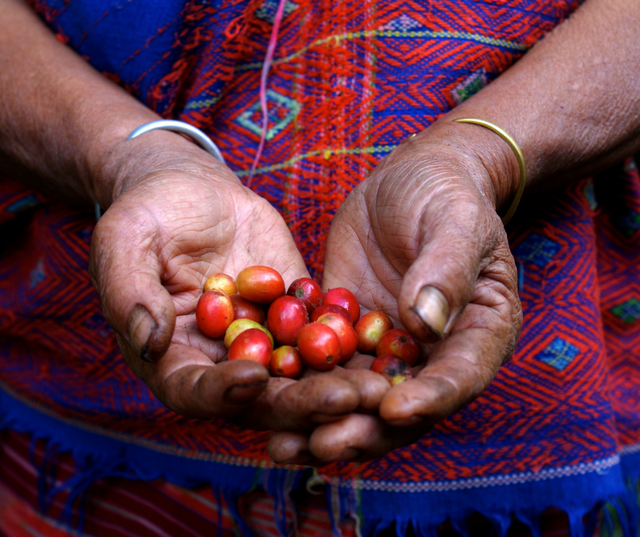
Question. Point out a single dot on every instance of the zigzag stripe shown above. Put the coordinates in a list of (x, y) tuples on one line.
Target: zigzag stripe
[(483, 482), (438, 56), (629, 450), (325, 153), (357, 83), (413, 34)]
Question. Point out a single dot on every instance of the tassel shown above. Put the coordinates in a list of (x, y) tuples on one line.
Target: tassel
[(575, 522), (532, 520), (460, 525), (90, 471), (46, 474), (232, 504), (402, 526), (424, 529), (218, 496)]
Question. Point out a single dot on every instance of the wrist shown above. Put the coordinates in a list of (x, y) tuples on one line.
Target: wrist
[(128, 163), (491, 160)]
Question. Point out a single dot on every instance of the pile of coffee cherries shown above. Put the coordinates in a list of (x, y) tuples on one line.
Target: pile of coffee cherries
[(285, 330)]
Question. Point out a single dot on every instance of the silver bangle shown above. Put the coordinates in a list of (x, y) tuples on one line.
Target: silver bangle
[(175, 126)]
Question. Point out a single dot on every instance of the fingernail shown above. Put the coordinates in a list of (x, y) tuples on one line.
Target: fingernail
[(243, 393), (432, 308), (140, 326), (405, 423), (347, 455)]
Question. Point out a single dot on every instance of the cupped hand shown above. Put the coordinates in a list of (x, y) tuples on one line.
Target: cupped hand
[(420, 239), (178, 218)]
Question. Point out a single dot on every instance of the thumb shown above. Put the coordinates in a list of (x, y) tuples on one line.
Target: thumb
[(126, 271), (455, 240)]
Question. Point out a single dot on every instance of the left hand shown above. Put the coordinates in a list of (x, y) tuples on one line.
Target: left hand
[(178, 216), (420, 239)]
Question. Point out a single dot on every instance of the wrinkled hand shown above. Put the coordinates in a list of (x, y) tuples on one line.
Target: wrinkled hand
[(420, 240), (177, 221)]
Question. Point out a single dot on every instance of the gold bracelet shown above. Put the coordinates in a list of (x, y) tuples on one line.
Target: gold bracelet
[(514, 146)]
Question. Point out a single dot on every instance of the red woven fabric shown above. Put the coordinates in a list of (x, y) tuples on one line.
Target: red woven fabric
[(348, 82)]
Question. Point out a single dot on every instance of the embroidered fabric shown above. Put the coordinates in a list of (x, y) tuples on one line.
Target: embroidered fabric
[(348, 81)]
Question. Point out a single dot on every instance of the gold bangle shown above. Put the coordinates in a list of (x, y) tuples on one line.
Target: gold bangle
[(514, 146)]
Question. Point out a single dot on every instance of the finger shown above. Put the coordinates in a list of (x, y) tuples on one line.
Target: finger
[(371, 386), (127, 274), (353, 258), (456, 241), (289, 405), (187, 381), (358, 437), (460, 367), (289, 448)]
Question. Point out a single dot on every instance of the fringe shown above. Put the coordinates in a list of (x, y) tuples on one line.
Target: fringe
[(603, 501), (98, 457), (598, 511)]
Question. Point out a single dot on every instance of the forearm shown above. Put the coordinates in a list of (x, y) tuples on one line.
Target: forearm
[(61, 122), (572, 103)]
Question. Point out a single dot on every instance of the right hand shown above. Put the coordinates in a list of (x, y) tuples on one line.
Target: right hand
[(180, 216), (420, 240)]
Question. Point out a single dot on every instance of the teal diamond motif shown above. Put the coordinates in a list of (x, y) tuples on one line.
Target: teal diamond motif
[(628, 311), (267, 10), (470, 86), (401, 23), (558, 354), (629, 222), (536, 249), (282, 111), (590, 195)]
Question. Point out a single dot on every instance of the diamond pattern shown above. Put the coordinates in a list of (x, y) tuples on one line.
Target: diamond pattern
[(590, 195), (282, 111), (470, 86), (536, 249), (403, 22), (628, 311), (267, 10), (558, 354), (629, 223)]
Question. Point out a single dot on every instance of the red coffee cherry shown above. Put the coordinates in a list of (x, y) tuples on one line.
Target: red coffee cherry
[(319, 346), (400, 343), (345, 332), (252, 344), (286, 316), (214, 313), (370, 329), (393, 368), (308, 291), (286, 362), (331, 308), (260, 284), (345, 298)]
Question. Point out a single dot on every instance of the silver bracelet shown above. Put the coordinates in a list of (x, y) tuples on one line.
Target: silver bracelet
[(175, 126)]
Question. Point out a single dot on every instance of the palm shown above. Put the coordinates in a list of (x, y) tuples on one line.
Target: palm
[(355, 258), (151, 253), (421, 222), (215, 234)]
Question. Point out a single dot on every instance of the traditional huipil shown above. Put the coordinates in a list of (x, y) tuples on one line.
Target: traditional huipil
[(559, 427)]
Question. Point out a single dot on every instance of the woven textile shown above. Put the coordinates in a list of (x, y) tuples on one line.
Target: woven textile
[(559, 425)]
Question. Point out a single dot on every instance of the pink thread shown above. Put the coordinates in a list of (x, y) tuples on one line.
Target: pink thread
[(273, 42)]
